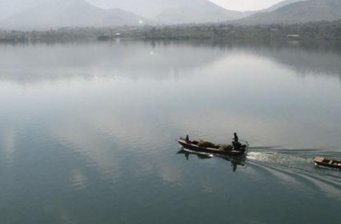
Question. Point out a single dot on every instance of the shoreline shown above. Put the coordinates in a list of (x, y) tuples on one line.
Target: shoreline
[(325, 31)]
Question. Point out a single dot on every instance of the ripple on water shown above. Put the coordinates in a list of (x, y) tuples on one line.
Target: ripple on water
[(78, 179)]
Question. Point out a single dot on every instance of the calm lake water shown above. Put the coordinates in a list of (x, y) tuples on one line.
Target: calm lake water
[(88, 132)]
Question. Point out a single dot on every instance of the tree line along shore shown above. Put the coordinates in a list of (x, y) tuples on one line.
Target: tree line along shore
[(304, 31)]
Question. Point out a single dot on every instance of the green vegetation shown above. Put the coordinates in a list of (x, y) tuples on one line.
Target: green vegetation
[(307, 31), (320, 30)]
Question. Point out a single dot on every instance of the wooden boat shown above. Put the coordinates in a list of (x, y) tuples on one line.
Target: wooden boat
[(321, 161), (200, 146)]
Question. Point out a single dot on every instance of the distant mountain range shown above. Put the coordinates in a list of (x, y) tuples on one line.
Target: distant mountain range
[(281, 4), (202, 11), (47, 14), (297, 12), (174, 11)]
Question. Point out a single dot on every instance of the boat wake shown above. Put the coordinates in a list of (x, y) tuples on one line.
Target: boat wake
[(296, 167), (292, 167)]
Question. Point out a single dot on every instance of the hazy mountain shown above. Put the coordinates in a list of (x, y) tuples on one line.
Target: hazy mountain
[(281, 4), (45, 14), (174, 11), (8, 8), (71, 13), (298, 12), (198, 13)]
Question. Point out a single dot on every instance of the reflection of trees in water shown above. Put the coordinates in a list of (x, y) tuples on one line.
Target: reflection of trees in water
[(318, 59), (305, 58), (32, 63), (156, 59)]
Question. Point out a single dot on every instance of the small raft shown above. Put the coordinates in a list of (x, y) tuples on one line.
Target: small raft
[(200, 146), (321, 161)]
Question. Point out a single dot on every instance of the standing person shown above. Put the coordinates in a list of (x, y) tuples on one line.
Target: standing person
[(236, 143), (236, 139)]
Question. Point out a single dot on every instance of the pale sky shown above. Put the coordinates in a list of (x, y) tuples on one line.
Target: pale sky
[(244, 5)]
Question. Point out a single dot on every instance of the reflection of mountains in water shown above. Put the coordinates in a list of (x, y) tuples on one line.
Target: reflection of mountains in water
[(160, 60)]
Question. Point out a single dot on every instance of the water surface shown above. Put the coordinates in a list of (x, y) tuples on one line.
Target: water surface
[(88, 130)]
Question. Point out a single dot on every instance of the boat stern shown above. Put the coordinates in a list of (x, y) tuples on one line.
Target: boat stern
[(318, 159)]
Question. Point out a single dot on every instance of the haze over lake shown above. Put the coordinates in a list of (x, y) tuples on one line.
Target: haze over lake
[(88, 132)]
